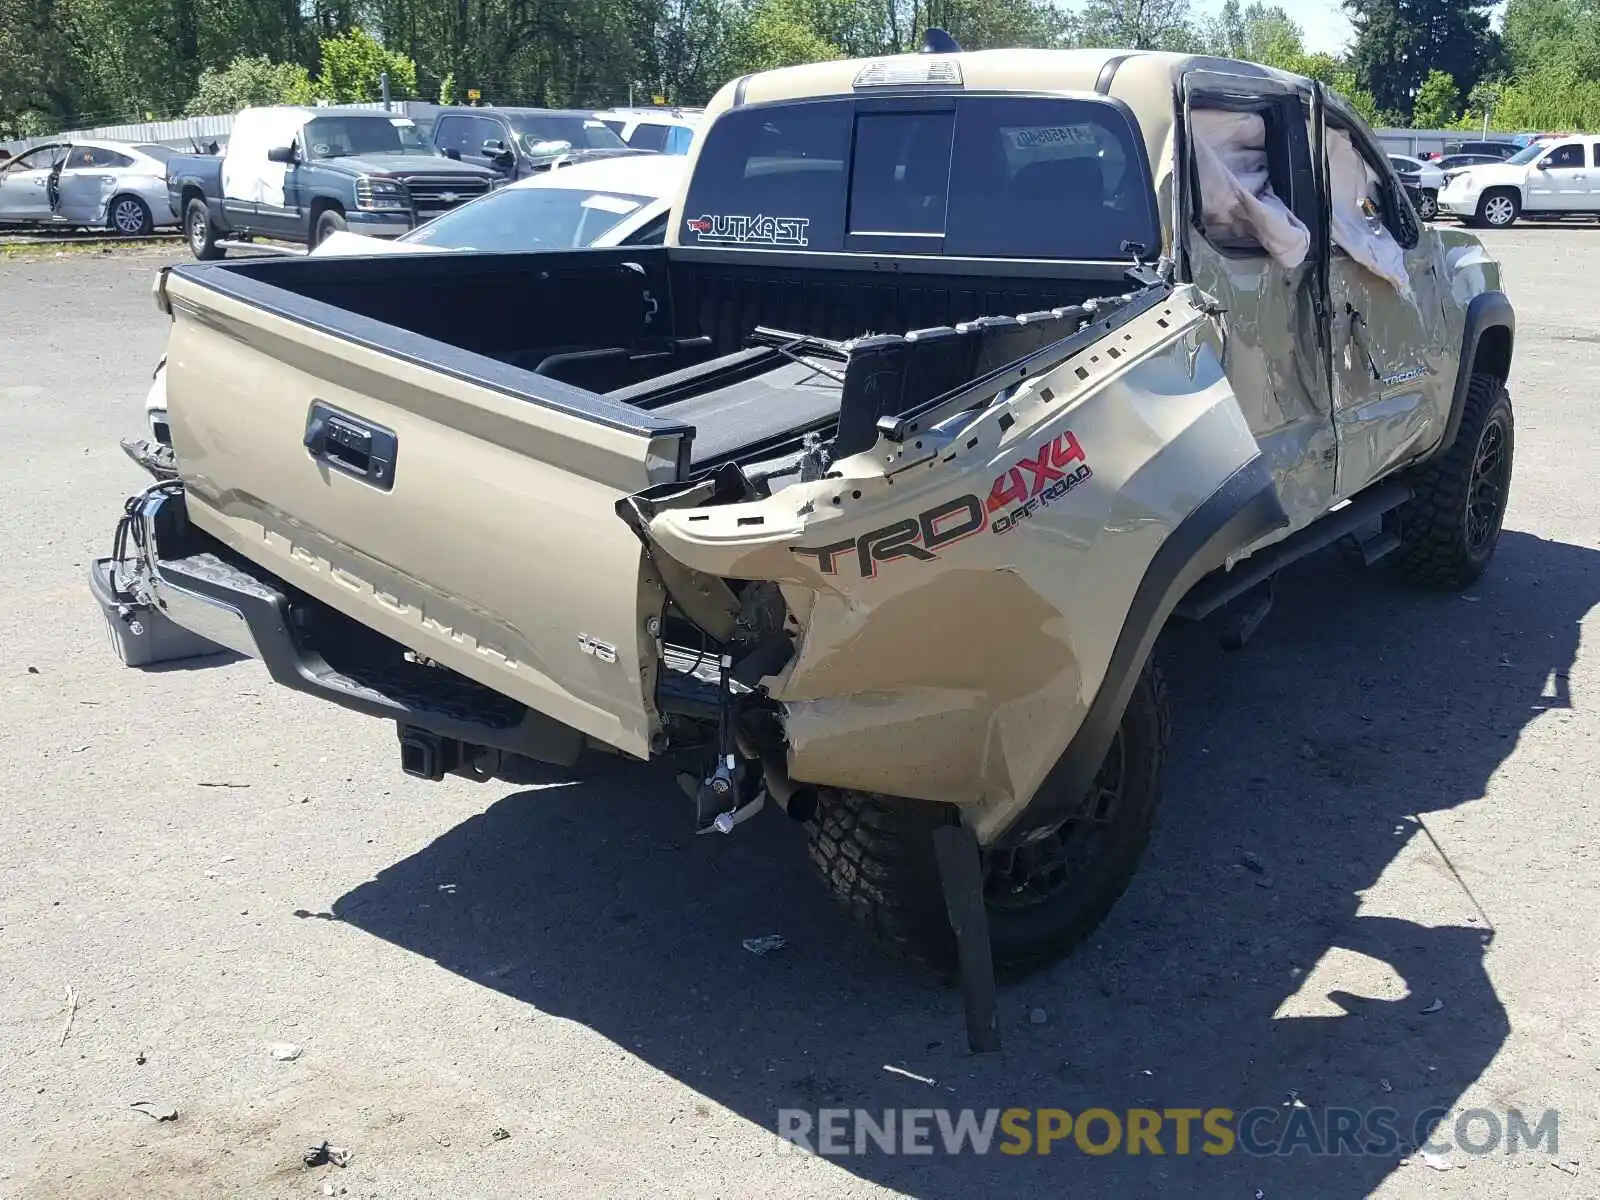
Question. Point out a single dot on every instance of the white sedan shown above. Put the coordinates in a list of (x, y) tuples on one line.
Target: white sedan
[(1430, 182), (608, 202), (619, 201), (88, 184)]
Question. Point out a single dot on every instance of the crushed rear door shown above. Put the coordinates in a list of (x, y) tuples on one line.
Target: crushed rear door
[(80, 191)]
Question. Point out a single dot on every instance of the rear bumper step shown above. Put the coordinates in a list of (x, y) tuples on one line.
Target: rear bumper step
[(198, 586)]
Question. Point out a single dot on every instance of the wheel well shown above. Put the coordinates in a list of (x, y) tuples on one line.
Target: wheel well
[(191, 193), (112, 203), (1493, 354), (321, 205)]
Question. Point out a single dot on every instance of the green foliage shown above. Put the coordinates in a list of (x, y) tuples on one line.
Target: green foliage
[(1437, 102), (353, 65), (1348, 84), (1140, 25), (1559, 39), (1256, 33), (1552, 59), (65, 63), (1324, 68), (247, 81), (1398, 42), (1548, 101), (774, 33)]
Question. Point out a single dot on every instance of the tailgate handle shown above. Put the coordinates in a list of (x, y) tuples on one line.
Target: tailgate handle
[(351, 445)]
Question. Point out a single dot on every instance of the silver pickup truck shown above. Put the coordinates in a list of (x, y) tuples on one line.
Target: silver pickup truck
[(866, 496)]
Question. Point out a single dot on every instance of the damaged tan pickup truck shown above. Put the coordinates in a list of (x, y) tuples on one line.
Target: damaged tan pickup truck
[(866, 495)]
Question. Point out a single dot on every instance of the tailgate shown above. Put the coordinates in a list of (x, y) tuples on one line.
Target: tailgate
[(426, 492)]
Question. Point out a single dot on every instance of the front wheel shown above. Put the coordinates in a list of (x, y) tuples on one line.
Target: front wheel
[(1428, 207), (1499, 210), (1042, 898), (130, 217), (329, 222), (1449, 529), (199, 232)]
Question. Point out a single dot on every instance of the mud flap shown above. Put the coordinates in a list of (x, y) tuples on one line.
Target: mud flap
[(961, 878)]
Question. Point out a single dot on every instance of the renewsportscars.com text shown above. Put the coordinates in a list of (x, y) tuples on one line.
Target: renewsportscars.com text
[(1261, 1131)]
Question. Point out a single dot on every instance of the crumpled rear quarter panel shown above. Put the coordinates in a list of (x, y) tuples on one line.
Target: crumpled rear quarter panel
[(958, 664)]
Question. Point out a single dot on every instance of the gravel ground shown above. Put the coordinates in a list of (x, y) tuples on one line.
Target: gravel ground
[(505, 993)]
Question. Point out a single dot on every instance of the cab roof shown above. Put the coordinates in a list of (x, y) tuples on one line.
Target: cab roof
[(1142, 79), (1019, 70)]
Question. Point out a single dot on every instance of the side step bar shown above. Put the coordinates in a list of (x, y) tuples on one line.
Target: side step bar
[(1218, 588)]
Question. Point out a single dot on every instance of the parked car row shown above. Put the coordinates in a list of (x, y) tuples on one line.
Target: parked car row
[(304, 174), (301, 174)]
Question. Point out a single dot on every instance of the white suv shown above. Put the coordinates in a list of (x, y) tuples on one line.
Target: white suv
[(1555, 177)]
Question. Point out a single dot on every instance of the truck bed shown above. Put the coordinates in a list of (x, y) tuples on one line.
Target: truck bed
[(441, 447), (654, 340)]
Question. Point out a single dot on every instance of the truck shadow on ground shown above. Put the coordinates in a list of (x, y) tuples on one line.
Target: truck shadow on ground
[(1358, 705)]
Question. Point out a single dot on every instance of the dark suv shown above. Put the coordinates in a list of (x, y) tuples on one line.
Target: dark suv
[(518, 142), (1492, 148)]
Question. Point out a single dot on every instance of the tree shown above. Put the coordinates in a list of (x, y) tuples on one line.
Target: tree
[(1437, 102), (1139, 25), (998, 24), (1480, 106), (1559, 36), (247, 81), (1257, 33), (1349, 86), (1323, 67), (353, 65), (1397, 42), (774, 33)]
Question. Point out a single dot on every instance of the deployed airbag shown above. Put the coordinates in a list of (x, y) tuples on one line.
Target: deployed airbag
[(1358, 227), (247, 175), (1236, 196)]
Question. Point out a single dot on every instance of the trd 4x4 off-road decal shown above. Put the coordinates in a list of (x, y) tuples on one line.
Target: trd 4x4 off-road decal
[(1047, 480), (918, 537), (749, 231), (1031, 484)]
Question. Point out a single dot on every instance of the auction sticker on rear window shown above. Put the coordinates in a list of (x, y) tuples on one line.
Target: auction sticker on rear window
[(1051, 135), (734, 230)]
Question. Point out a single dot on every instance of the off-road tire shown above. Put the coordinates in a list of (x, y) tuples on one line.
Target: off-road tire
[(329, 221), (876, 855), (199, 232), (1437, 548), (1497, 215)]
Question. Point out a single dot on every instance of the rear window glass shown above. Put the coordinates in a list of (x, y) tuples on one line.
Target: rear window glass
[(972, 177), (901, 180)]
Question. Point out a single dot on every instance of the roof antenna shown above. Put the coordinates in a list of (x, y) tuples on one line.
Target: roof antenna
[(937, 41)]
